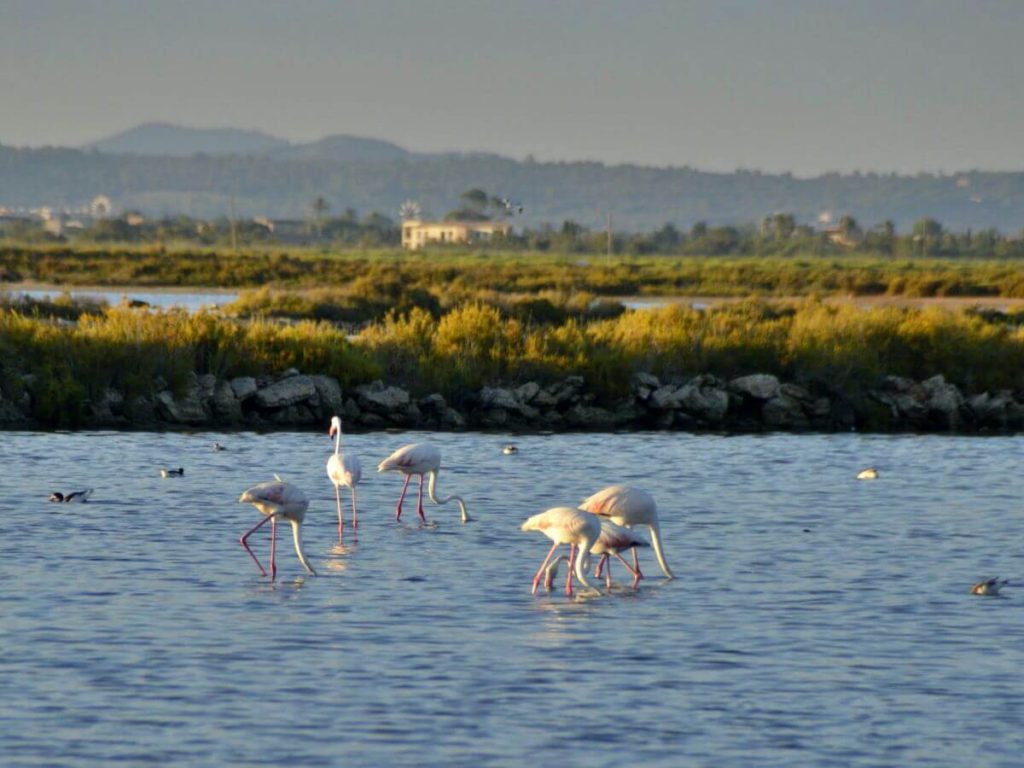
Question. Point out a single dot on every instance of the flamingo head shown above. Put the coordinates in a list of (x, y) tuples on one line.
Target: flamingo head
[(335, 426)]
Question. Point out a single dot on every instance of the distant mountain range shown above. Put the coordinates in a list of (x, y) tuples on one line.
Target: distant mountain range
[(164, 169)]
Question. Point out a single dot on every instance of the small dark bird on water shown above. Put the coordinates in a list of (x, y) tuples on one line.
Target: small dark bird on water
[(172, 472), (989, 587), (74, 496)]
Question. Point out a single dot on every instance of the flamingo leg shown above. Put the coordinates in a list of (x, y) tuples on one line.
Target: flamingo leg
[(398, 509), (245, 544), (600, 565), (540, 572), (419, 502), (355, 520), (572, 564), (341, 523), (636, 567), (608, 573), (273, 548)]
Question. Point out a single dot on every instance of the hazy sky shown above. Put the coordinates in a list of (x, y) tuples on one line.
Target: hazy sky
[(792, 85)]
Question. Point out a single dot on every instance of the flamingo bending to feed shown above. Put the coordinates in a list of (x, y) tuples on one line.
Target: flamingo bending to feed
[(614, 540), (277, 499), (630, 507), (419, 459), (565, 525), (343, 470)]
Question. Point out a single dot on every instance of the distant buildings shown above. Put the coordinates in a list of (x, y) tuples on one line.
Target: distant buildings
[(417, 233)]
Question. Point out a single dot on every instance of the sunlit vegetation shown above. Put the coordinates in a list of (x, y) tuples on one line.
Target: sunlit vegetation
[(364, 284), (457, 351)]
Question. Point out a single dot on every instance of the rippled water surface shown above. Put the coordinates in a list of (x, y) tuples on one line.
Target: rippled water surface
[(815, 620)]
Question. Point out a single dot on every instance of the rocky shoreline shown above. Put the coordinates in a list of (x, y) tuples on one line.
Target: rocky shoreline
[(754, 403)]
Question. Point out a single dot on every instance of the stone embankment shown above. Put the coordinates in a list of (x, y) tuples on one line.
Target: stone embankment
[(758, 402)]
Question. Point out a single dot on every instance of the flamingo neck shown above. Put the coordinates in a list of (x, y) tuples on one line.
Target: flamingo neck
[(583, 563), (337, 442), (432, 492), (658, 551), (298, 547)]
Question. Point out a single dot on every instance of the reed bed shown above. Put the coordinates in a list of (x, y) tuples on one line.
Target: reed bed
[(842, 348)]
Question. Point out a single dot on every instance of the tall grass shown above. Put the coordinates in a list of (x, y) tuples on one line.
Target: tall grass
[(473, 344)]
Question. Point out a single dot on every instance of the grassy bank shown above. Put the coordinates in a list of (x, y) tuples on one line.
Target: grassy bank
[(451, 277), (839, 347)]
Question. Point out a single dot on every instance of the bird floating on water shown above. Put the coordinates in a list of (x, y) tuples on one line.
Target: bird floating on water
[(419, 459), (509, 449), (172, 472), (218, 447), (74, 496), (868, 474), (277, 499), (343, 470), (989, 587)]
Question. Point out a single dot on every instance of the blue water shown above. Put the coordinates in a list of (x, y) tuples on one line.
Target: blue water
[(192, 302), (816, 619)]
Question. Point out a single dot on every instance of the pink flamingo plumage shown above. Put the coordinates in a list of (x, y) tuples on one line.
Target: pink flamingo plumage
[(565, 525), (343, 470), (613, 541), (419, 459), (630, 507), (277, 499)]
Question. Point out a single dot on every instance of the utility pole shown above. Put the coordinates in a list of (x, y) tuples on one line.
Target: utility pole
[(234, 229), (609, 236)]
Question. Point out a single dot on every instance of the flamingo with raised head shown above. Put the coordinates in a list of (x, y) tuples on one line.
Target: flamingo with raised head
[(343, 470), (419, 459), (613, 541), (277, 499), (565, 525), (630, 507)]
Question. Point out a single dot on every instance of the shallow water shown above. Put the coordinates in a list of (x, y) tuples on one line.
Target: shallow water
[(815, 620), (192, 302)]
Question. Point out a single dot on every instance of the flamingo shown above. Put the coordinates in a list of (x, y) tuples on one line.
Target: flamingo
[(419, 459), (277, 499), (630, 507), (73, 497), (614, 539), (989, 587), (344, 470), (611, 541), (565, 525)]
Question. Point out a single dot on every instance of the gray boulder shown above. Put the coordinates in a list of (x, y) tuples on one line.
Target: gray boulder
[(188, 410), (666, 398), (382, 400), (225, 404), (244, 387), (784, 412), (288, 391), (329, 393), (706, 404), (759, 386)]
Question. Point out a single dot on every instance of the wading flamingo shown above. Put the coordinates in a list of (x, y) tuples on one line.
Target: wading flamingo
[(277, 499), (74, 496), (614, 540), (565, 525), (628, 506), (419, 459), (344, 470)]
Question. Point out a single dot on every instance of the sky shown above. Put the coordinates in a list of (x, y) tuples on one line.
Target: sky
[(800, 86)]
